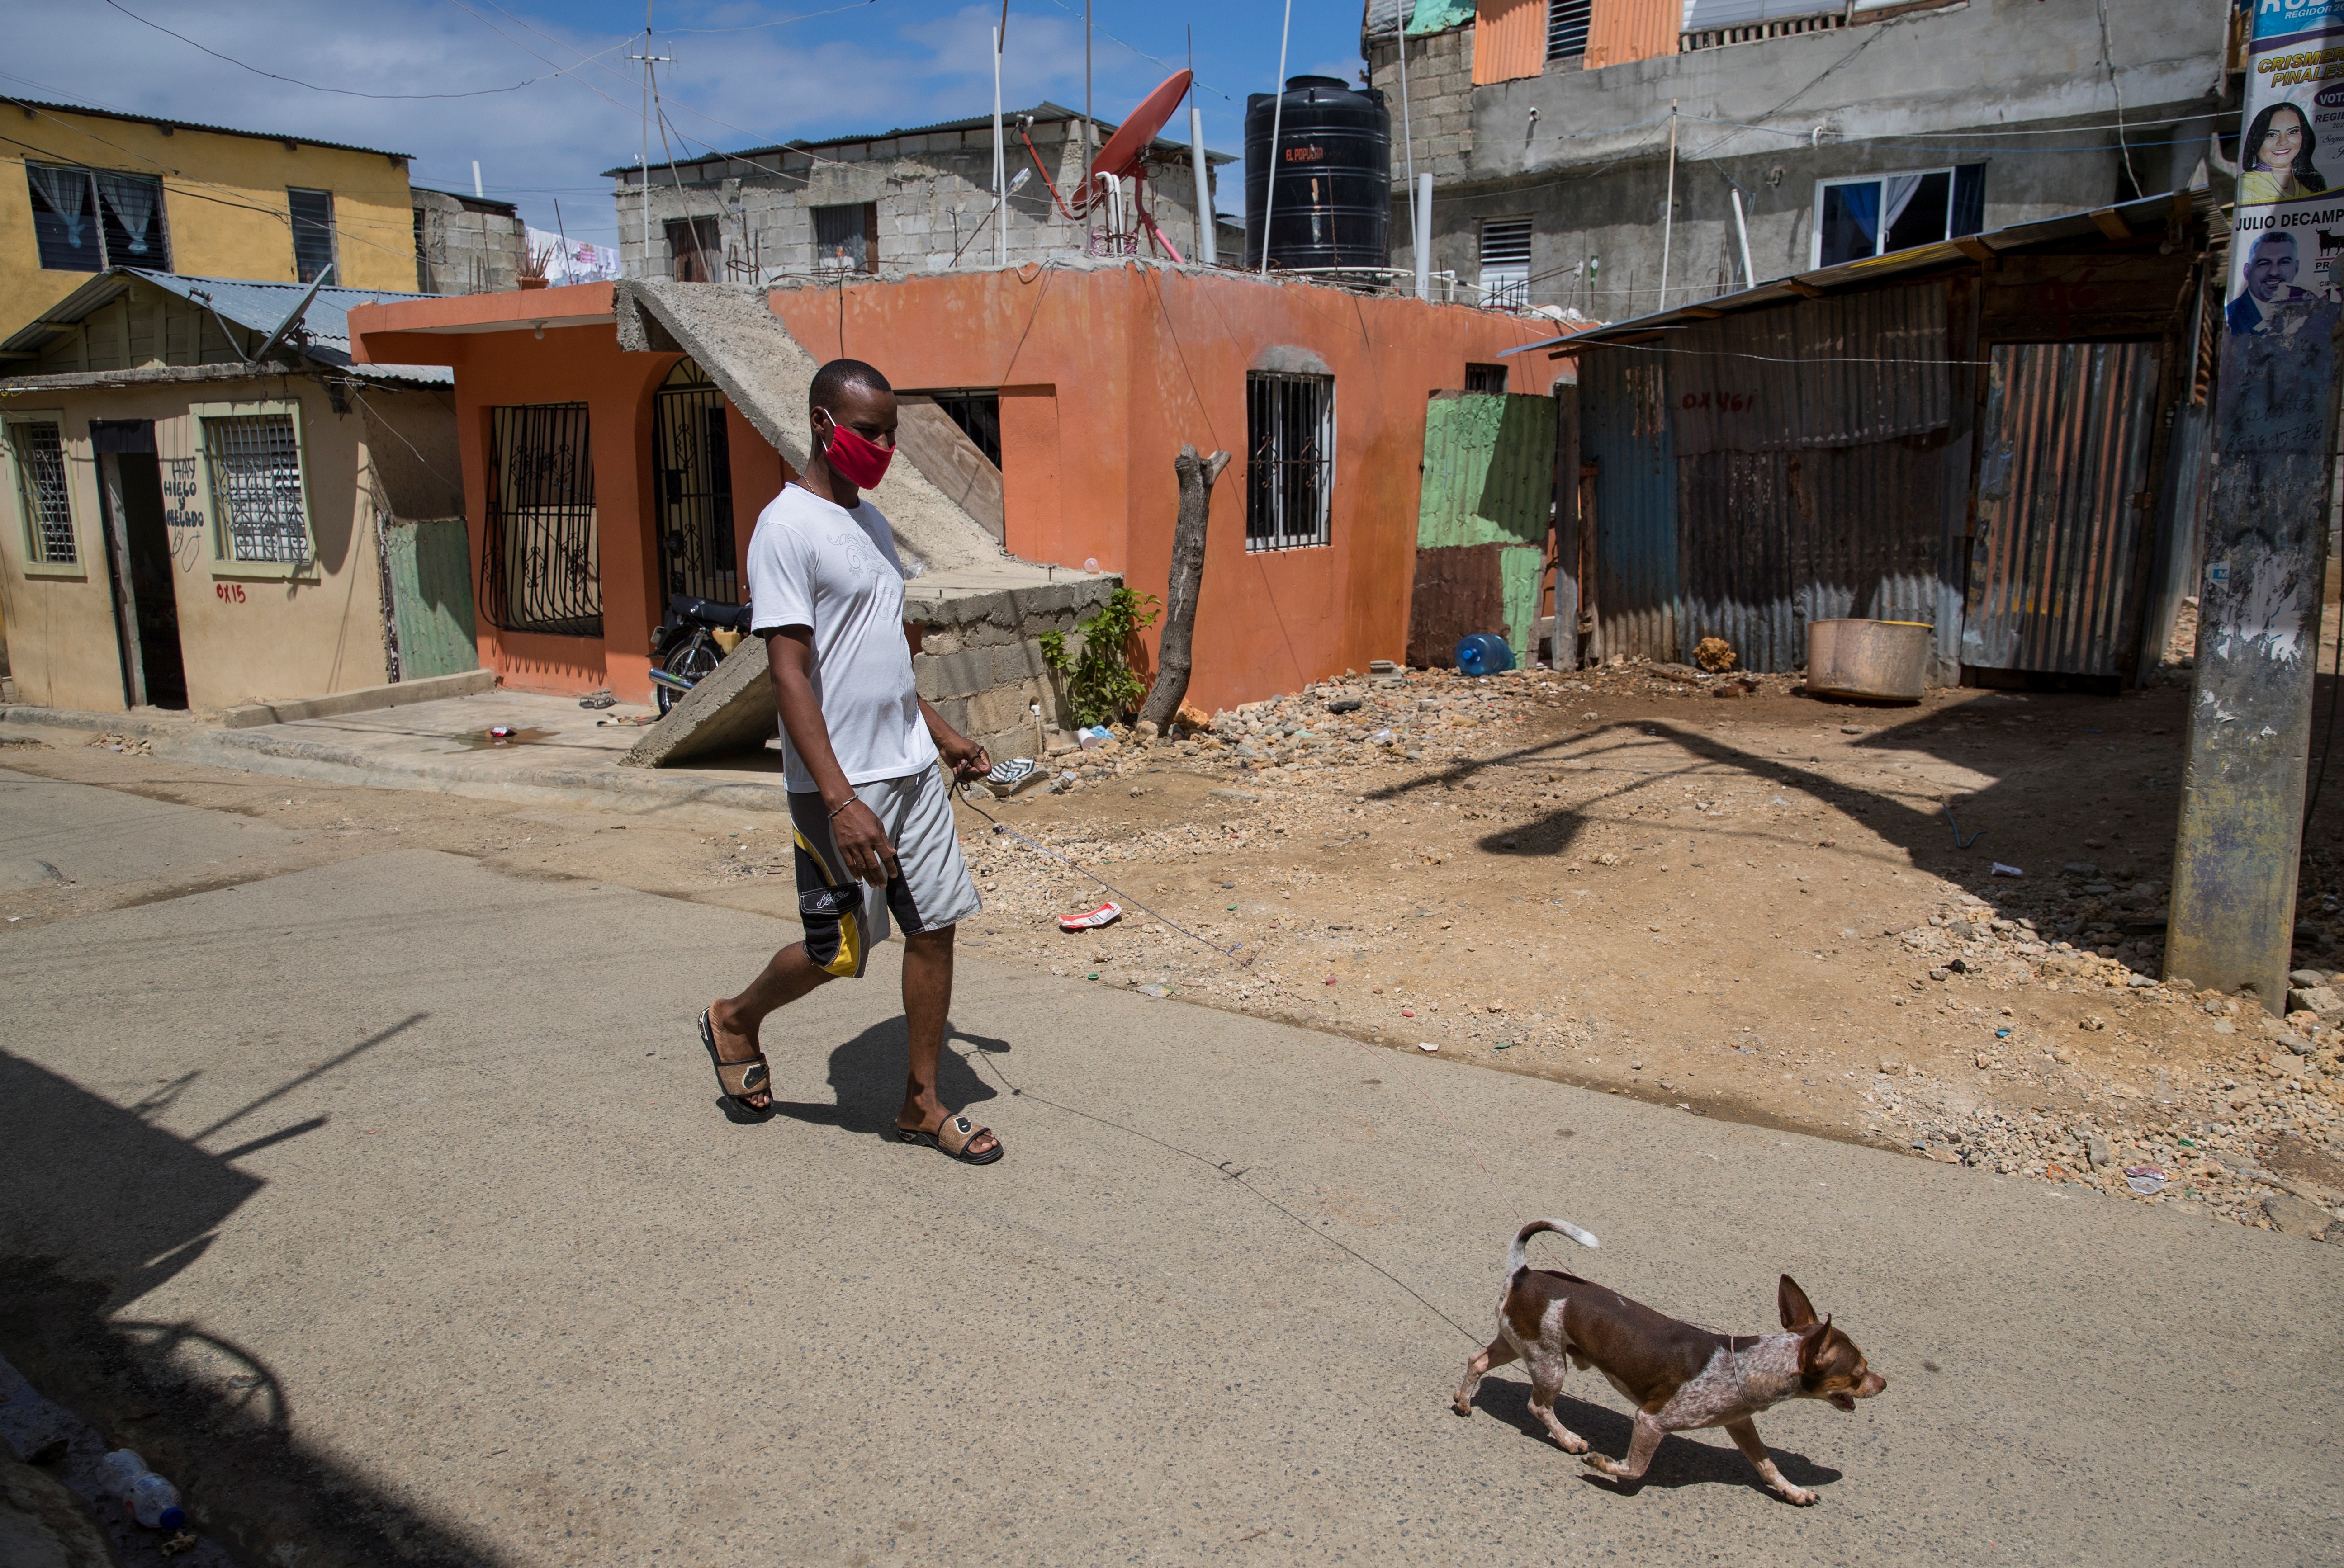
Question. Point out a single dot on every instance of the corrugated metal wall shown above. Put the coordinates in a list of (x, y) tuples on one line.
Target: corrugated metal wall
[(1764, 471), (1828, 373), (1623, 429), (1481, 522), (1773, 540), (1620, 31), (1489, 470), (1509, 40), (430, 570), (2063, 504), (2181, 528)]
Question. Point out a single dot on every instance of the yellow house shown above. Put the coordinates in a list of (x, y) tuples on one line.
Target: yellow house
[(203, 501), (83, 190)]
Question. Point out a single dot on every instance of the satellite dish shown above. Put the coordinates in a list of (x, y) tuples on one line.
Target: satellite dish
[(1122, 155)]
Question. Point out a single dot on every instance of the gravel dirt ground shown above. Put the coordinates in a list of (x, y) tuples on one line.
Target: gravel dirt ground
[(1712, 892)]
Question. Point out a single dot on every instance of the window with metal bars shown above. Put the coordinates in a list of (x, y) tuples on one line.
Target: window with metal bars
[(1486, 378), (40, 453), (85, 220), (313, 232), (254, 464), (540, 564), (1289, 459), (1506, 261), (692, 453), (1566, 27)]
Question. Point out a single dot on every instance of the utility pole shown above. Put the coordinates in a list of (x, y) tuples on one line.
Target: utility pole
[(2236, 854), (1086, 91), (643, 163), (1000, 160)]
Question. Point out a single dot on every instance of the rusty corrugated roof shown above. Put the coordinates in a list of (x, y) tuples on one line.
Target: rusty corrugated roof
[(2123, 221)]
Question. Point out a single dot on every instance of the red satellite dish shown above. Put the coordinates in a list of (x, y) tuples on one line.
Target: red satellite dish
[(1124, 150)]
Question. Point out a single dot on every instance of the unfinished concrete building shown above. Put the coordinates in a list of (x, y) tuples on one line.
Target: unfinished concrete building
[(1588, 154), (904, 201), (466, 245)]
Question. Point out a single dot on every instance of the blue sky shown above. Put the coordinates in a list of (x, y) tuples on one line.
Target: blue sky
[(745, 74)]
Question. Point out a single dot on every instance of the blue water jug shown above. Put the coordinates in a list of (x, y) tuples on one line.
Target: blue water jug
[(1483, 653)]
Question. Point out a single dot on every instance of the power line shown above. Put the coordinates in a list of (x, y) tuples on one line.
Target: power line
[(1143, 55), (778, 22), (296, 81)]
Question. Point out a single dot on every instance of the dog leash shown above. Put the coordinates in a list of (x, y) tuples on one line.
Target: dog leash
[(1230, 954)]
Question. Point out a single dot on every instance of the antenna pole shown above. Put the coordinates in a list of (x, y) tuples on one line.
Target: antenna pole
[(1277, 121), (1408, 137), (1207, 249), (643, 163), (1000, 166)]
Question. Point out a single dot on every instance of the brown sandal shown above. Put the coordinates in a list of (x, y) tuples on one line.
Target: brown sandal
[(953, 1135), (738, 1078)]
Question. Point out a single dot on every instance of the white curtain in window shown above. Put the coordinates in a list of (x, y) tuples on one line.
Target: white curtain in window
[(132, 201), (67, 193), (1896, 195)]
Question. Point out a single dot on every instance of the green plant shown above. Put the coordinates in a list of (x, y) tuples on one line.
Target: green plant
[(1100, 682)]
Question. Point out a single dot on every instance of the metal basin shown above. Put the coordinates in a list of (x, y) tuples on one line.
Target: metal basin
[(1879, 660)]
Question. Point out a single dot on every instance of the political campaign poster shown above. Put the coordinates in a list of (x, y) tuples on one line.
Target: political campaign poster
[(2286, 289)]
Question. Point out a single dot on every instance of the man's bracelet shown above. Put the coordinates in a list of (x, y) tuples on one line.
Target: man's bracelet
[(843, 804)]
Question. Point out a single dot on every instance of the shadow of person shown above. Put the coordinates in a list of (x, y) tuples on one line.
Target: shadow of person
[(866, 1079), (1679, 1461)]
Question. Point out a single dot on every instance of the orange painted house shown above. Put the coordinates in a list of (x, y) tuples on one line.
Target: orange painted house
[(1099, 372)]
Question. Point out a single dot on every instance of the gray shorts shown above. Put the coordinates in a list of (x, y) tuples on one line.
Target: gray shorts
[(844, 918)]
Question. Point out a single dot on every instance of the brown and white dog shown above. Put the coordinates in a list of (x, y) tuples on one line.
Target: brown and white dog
[(1678, 1377)]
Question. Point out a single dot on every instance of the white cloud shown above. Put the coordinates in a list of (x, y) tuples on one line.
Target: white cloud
[(866, 70)]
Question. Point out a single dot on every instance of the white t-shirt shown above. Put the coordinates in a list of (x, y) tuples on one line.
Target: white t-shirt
[(815, 565)]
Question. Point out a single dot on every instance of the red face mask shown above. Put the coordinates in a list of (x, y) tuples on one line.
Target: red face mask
[(858, 462)]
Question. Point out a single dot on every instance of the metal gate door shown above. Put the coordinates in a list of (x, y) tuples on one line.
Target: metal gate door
[(1486, 499), (694, 488), (2064, 508)]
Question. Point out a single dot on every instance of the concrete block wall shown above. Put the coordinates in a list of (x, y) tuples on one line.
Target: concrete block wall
[(980, 666), (466, 248), (1584, 153), (933, 195), (1440, 106)]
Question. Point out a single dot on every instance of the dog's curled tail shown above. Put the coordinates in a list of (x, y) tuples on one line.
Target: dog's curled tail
[(1517, 1256)]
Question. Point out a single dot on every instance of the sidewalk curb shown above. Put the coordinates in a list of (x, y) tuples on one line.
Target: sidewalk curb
[(27, 716), (362, 699), (269, 750)]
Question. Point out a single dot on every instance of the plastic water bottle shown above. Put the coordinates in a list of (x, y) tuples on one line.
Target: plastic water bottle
[(1483, 653), (151, 1500)]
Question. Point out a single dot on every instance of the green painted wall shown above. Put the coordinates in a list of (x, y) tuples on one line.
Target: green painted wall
[(431, 595), (1520, 570), (1489, 470)]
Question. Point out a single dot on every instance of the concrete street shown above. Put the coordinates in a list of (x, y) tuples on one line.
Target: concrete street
[(385, 1205)]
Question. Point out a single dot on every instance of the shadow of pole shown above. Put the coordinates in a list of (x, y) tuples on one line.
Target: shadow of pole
[(2010, 808)]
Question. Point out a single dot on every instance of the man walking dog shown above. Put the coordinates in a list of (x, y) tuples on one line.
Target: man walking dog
[(873, 818)]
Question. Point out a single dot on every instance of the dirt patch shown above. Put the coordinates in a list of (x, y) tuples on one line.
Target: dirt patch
[(1758, 909)]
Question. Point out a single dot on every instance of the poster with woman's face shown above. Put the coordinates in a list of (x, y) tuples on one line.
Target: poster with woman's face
[(2293, 148), (2287, 248)]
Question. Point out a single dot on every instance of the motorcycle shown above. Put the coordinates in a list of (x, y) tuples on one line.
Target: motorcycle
[(686, 646)]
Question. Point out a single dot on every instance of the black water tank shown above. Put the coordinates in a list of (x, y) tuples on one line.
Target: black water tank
[(1334, 175)]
